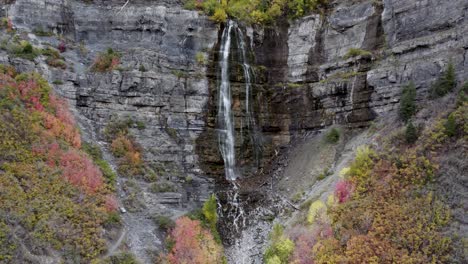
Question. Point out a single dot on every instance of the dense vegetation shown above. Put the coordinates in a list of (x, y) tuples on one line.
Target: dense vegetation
[(53, 197), (256, 11), (195, 239), (384, 209)]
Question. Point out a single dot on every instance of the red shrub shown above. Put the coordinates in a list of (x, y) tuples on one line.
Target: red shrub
[(61, 110), (51, 151), (304, 238), (111, 204), (30, 94), (115, 62), (80, 171), (343, 190), (62, 47)]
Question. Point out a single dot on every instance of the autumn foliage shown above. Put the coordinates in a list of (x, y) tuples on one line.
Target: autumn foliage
[(129, 157), (49, 186), (193, 244), (343, 190), (383, 210)]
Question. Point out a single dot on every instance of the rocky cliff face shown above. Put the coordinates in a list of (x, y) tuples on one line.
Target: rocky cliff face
[(304, 80), (159, 85)]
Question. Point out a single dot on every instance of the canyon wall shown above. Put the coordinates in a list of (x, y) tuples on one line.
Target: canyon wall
[(303, 80)]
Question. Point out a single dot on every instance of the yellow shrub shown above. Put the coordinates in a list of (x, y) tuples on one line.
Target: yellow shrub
[(316, 211)]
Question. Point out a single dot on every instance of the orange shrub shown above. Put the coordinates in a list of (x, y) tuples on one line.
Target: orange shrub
[(130, 161), (193, 244), (121, 145)]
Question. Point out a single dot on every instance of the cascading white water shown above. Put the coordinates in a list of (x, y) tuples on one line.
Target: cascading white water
[(225, 116), (226, 136)]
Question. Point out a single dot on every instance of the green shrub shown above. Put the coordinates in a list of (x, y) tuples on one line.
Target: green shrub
[(8, 245), (24, 50), (123, 258), (355, 52), (333, 136), (140, 125), (325, 173), (189, 179), (209, 211), (142, 68), (445, 84), (117, 126), (42, 33), (411, 134), (164, 222), (297, 197), (463, 95), (200, 58), (5, 22), (299, 8), (96, 154), (190, 5), (407, 102), (179, 74), (450, 126), (113, 219), (107, 171), (162, 187), (27, 48)]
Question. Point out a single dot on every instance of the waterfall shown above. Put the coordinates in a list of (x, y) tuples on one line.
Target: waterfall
[(225, 116), (234, 211)]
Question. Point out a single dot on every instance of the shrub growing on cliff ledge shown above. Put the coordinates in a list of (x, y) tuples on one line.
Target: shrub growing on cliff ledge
[(333, 136), (355, 52), (106, 61)]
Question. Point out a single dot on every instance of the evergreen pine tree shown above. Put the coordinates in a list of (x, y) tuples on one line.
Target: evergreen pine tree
[(411, 134), (450, 126), (445, 84), (407, 102)]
